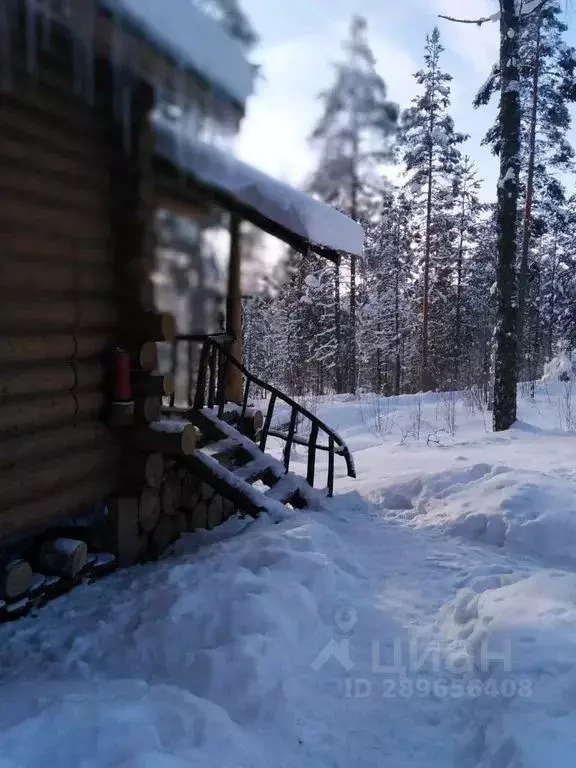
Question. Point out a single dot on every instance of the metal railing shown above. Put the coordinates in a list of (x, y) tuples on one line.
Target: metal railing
[(206, 382)]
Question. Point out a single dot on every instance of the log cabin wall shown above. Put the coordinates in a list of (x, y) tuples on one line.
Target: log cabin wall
[(59, 308)]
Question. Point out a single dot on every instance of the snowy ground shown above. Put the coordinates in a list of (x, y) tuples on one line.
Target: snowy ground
[(426, 618)]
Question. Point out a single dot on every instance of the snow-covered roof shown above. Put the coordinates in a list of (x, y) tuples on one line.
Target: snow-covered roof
[(294, 216), (193, 39)]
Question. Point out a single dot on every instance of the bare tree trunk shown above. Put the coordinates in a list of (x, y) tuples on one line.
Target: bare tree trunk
[(397, 359), (458, 321), (505, 373), (552, 302), (338, 328), (523, 274), (425, 378)]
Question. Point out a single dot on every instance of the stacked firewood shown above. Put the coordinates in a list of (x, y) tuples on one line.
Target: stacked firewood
[(161, 498), (47, 568)]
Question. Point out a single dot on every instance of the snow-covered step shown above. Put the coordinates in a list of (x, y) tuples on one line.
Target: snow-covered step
[(254, 470)]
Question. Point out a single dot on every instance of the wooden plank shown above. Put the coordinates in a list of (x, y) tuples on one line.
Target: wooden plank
[(33, 414), (267, 422), (18, 350), (54, 442), (242, 499), (313, 440), (38, 277), (290, 438), (330, 465), (21, 317)]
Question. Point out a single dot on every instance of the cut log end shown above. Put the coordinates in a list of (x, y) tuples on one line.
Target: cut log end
[(15, 579), (149, 509), (63, 557)]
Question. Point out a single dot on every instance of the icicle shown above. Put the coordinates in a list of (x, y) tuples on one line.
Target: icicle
[(127, 118), (118, 43), (76, 26), (181, 103), (46, 24), (89, 52), (31, 40), (7, 27)]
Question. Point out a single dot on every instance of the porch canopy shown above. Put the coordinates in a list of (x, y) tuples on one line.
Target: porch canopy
[(273, 206), (192, 40)]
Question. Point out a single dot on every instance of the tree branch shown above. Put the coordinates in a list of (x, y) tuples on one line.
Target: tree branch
[(478, 22), (532, 6)]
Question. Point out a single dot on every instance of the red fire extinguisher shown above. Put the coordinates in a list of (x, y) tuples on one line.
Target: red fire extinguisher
[(121, 388)]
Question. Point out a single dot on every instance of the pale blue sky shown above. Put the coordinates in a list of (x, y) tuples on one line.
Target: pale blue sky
[(300, 39)]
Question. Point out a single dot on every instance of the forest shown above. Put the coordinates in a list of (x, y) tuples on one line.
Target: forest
[(453, 293)]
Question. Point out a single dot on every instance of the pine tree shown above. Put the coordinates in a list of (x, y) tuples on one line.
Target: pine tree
[(547, 68), (354, 136), (466, 187), (387, 312), (430, 150)]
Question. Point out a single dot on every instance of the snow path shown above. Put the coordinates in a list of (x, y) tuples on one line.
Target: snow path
[(108, 657), (426, 618)]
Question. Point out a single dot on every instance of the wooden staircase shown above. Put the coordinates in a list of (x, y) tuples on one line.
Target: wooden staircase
[(231, 456)]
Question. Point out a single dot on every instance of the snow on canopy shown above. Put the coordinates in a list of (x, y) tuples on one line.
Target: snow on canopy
[(290, 209), (193, 39)]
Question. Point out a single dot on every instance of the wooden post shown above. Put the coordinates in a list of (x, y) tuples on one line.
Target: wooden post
[(234, 388)]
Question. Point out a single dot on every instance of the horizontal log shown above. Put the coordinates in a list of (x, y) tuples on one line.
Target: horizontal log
[(15, 579), (58, 410), (173, 438), (138, 270), (17, 350), (145, 356), (21, 157), (54, 442), (21, 179), (46, 219), (63, 557), (55, 101), (155, 384), (39, 277), (20, 124), (149, 326), (26, 482), (147, 409), (62, 377), (40, 514), (21, 243), (120, 415), (31, 315)]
